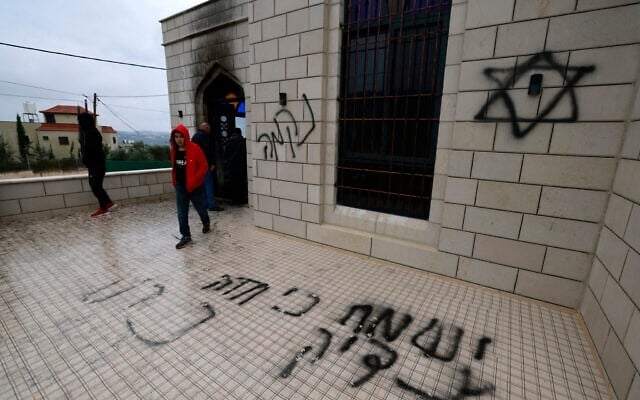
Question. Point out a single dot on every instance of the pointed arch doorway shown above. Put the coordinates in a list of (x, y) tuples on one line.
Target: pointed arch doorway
[(220, 101)]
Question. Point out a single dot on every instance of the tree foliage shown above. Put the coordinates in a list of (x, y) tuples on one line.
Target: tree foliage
[(24, 143)]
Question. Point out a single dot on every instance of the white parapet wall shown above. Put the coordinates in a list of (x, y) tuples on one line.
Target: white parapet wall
[(58, 194)]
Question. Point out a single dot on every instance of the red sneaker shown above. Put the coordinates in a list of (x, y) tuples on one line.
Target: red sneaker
[(99, 212), (111, 205)]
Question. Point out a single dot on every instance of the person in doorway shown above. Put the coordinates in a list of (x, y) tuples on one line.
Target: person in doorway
[(189, 168), (94, 159), (235, 156), (205, 139)]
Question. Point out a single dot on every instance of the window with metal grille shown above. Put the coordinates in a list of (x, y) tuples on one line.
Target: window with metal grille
[(393, 56)]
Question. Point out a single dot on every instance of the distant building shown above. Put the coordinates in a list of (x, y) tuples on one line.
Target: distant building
[(58, 133)]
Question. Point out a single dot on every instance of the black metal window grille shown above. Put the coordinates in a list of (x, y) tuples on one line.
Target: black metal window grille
[(393, 56)]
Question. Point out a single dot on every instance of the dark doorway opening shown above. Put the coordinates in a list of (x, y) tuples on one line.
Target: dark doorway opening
[(224, 108)]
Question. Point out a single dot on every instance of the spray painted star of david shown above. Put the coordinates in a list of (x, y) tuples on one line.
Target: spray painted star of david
[(542, 61)]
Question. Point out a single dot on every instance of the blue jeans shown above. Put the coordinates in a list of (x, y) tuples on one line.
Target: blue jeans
[(209, 187), (182, 201)]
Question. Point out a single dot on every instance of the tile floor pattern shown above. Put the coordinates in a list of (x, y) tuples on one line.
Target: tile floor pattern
[(104, 308)]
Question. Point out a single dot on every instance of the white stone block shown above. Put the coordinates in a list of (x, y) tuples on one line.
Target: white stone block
[(266, 169), (487, 274), (414, 255), (461, 191), (9, 207), (451, 79), (607, 27), (492, 222), (496, 166), (468, 104), (285, 6), (509, 252), (268, 204), (472, 76), (631, 146), (453, 216), (617, 306), (263, 9), (631, 342), (266, 51), (459, 163), (536, 141), (479, 43), (262, 186), (457, 19), (289, 46), (619, 367), (266, 92), (290, 209), (595, 320), (567, 264), (340, 237), (456, 242), (611, 105), (567, 171), (588, 139), (612, 64), (289, 190), (296, 67), (273, 71), (521, 38), (62, 186), (526, 107), (627, 182), (21, 191), (454, 49), (473, 136), (263, 220), (508, 196), (311, 213), (293, 227), (44, 203), (312, 42), (555, 290), (585, 205), (632, 234), (298, 21), (630, 279), (539, 9), (311, 174), (483, 13), (612, 251), (289, 171), (568, 234)]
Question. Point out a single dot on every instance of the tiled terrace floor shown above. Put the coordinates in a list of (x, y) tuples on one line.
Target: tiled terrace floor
[(108, 308)]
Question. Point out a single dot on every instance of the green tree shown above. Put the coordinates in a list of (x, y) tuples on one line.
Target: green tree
[(23, 142), (6, 157)]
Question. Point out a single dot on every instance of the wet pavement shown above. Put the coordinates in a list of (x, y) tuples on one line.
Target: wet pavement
[(107, 308)]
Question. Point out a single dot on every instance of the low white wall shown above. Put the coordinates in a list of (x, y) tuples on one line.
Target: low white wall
[(55, 194)]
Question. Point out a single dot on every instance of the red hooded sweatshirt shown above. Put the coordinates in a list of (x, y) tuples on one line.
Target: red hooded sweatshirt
[(197, 165)]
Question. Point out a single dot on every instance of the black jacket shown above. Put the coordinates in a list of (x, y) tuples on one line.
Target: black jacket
[(207, 144), (90, 143)]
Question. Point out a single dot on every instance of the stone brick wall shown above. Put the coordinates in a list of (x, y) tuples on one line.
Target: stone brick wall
[(24, 197)]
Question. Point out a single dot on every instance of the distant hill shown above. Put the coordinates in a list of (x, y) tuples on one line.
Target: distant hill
[(150, 138)]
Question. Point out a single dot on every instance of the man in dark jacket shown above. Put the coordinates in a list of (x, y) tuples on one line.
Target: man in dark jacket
[(94, 158), (205, 139)]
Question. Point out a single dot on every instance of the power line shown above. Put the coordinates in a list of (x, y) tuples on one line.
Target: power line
[(38, 87), (117, 116), (35, 97), (77, 56), (129, 97)]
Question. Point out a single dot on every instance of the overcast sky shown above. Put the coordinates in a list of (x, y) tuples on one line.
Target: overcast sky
[(120, 30)]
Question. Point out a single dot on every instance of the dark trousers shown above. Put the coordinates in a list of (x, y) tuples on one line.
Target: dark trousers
[(96, 177), (197, 198)]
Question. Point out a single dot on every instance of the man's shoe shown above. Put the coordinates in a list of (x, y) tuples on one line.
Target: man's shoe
[(216, 208), (206, 228), (99, 212), (111, 205), (183, 242)]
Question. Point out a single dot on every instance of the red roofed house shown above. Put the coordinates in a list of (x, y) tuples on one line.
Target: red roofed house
[(59, 132)]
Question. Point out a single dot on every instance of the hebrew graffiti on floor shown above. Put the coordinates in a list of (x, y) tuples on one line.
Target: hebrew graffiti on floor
[(540, 62), (284, 117), (433, 341)]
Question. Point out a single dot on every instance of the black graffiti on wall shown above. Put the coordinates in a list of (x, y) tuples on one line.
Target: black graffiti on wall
[(284, 117), (539, 62), (380, 330)]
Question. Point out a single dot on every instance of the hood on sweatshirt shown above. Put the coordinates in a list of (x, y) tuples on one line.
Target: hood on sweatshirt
[(181, 129)]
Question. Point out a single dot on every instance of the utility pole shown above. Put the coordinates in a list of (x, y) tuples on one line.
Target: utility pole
[(95, 116)]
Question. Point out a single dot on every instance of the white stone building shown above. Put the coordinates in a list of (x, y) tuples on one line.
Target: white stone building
[(492, 141)]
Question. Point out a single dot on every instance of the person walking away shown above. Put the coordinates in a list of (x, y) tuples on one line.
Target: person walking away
[(188, 172), (205, 139), (94, 159)]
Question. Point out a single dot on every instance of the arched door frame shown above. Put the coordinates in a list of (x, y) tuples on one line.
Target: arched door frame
[(213, 73)]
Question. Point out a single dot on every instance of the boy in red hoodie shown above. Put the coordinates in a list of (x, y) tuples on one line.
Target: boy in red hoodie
[(189, 168)]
